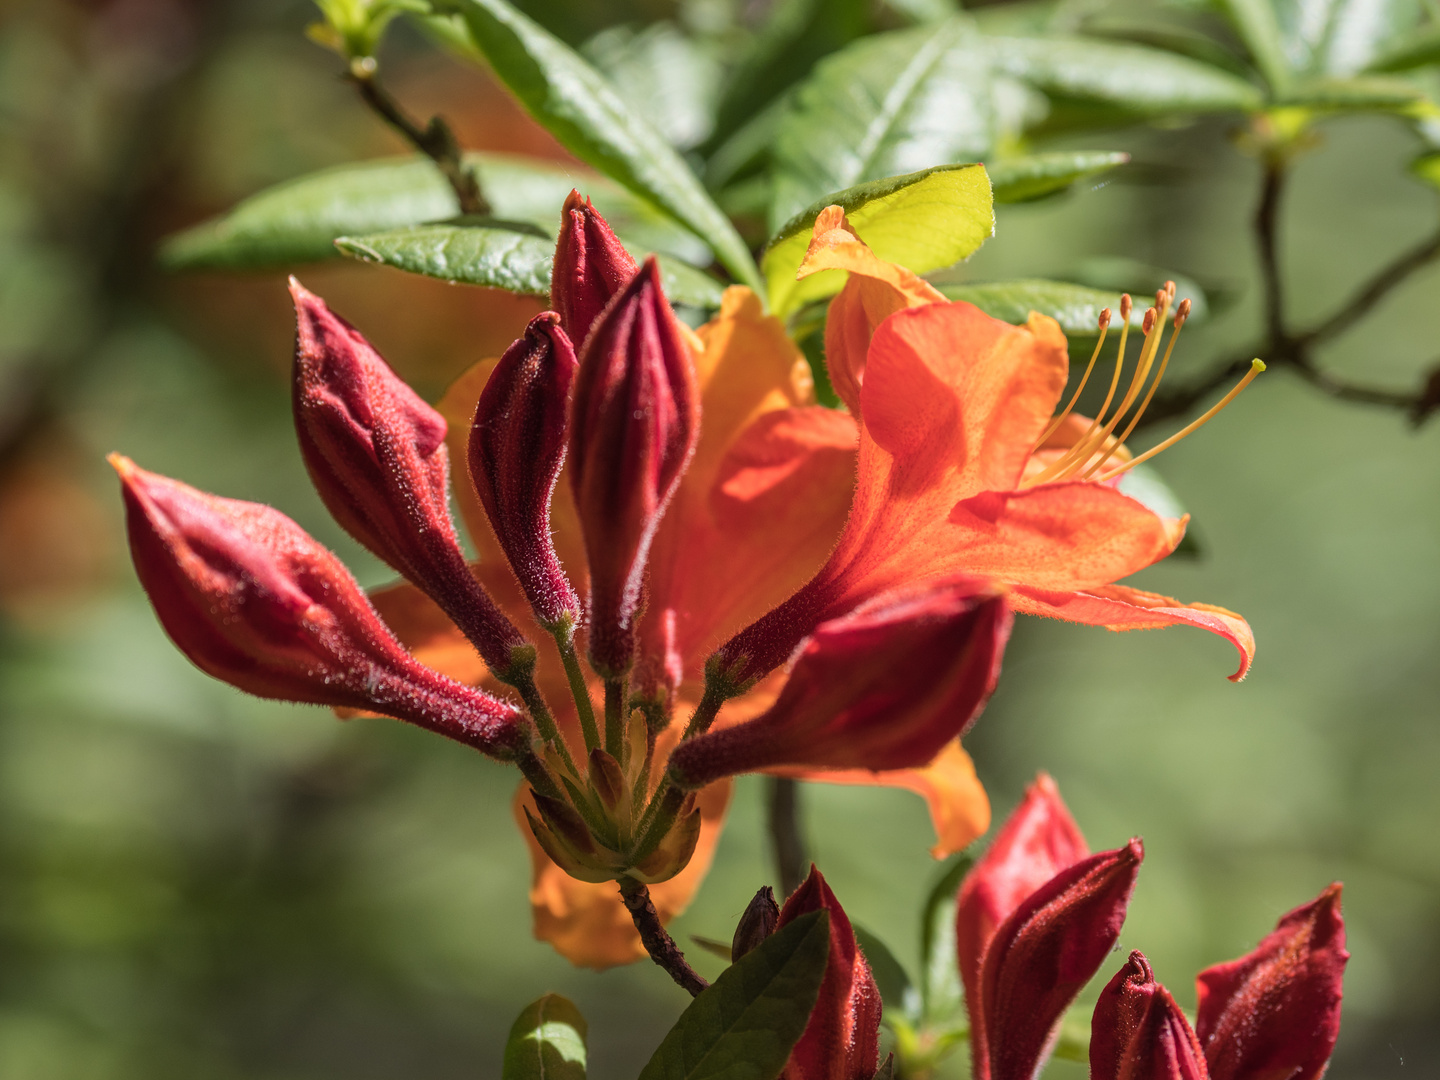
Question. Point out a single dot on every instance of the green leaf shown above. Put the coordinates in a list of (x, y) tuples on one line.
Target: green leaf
[(1145, 486), (896, 990), (1426, 168), (889, 104), (1022, 179), (578, 106), (502, 255), (1420, 49), (1075, 307), (664, 75), (923, 221), (547, 1042), (1141, 80), (299, 220), (1342, 37), (1074, 1041), (940, 980), (743, 1026), (1255, 22), (1365, 93)]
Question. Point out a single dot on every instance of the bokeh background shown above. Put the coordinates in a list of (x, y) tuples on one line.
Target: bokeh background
[(197, 884)]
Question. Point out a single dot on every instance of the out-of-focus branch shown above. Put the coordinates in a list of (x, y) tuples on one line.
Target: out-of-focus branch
[(785, 837), (435, 139), (1374, 291)]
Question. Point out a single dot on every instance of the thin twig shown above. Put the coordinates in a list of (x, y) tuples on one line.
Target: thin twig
[(786, 839), (435, 140), (658, 943), (1267, 221), (1374, 291)]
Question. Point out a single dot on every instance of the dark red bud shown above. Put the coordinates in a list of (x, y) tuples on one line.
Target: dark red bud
[(1041, 957), (757, 924), (517, 445), (1139, 1033), (591, 266), (885, 687), (1276, 1011), (252, 599), (635, 421), (842, 1039), (376, 453), (1037, 841)]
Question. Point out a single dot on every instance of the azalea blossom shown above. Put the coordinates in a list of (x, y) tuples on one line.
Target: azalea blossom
[(725, 552)]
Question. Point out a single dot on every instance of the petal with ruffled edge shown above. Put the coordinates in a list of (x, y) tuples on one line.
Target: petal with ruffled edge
[(876, 290), (1119, 607), (959, 808), (586, 923)]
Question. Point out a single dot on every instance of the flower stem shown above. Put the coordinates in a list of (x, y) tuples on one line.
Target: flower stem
[(544, 719), (659, 944), (578, 690), (538, 776), (615, 717), (706, 711)]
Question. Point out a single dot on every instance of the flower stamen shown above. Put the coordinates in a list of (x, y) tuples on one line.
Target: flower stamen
[(1055, 426)]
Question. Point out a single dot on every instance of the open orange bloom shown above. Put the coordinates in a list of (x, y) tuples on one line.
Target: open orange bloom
[(756, 513), (963, 467)]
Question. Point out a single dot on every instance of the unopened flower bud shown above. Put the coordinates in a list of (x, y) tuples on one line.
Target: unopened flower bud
[(1276, 1011), (252, 599), (1139, 1033), (563, 835), (376, 453), (635, 421), (757, 924), (591, 266), (675, 851), (1041, 957), (517, 445), (842, 1039), (607, 778), (1037, 841), (885, 687)]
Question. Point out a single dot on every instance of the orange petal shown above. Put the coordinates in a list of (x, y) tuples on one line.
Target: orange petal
[(959, 807), (586, 923), (1119, 607), (876, 290)]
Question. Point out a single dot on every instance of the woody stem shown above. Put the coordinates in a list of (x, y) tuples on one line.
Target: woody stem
[(578, 690), (659, 944)]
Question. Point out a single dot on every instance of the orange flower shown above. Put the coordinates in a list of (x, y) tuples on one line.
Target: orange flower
[(757, 511), (963, 467)]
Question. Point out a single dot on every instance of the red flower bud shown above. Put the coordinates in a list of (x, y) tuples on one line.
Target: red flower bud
[(1041, 957), (842, 1039), (517, 446), (1139, 1033), (252, 599), (591, 266), (1038, 840), (376, 453), (1276, 1011), (635, 421), (885, 687)]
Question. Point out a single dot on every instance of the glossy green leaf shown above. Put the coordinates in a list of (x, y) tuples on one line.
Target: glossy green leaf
[(547, 1042), (1259, 29), (502, 255), (1133, 77), (923, 221), (1372, 92), (1022, 179), (579, 107), (889, 104), (896, 990), (299, 220), (664, 75), (1075, 307), (1343, 37), (940, 986), (1420, 49), (1118, 274), (743, 1026)]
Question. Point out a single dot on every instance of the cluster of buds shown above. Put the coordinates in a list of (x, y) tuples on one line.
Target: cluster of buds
[(1037, 917), (604, 386)]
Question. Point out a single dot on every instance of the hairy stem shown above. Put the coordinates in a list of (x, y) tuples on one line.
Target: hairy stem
[(435, 139), (659, 944), (616, 718), (578, 690), (544, 719), (786, 840)]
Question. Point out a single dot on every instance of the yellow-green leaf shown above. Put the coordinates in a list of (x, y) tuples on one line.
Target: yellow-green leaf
[(547, 1042), (924, 221)]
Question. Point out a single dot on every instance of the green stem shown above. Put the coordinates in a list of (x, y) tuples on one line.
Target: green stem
[(544, 719), (578, 690), (658, 818), (538, 776), (706, 711), (615, 716)]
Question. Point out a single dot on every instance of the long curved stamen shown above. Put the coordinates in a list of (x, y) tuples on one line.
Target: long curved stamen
[(1180, 317), (1256, 366), (1055, 426)]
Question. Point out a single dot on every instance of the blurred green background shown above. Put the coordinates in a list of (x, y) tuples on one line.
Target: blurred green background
[(194, 883)]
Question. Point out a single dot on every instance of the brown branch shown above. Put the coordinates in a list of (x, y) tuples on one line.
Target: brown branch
[(1267, 220), (785, 836), (435, 140), (1374, 291), (658, 943)]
